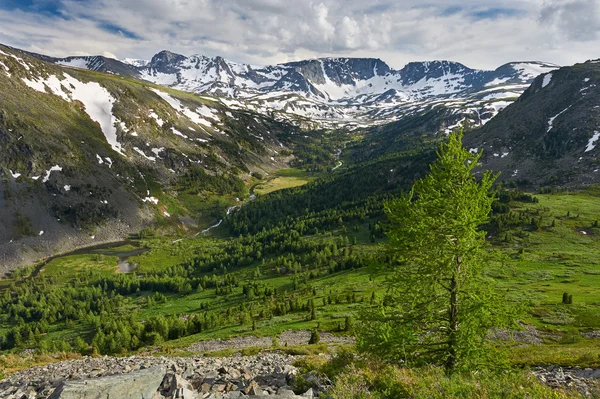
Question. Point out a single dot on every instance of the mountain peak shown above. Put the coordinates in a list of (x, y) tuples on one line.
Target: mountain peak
[(165, 56), (416, 71)]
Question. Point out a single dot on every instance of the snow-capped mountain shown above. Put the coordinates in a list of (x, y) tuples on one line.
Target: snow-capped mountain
[(348, 91), (332, 92)]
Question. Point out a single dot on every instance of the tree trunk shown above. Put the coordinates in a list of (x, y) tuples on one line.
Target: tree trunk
[(453, 320)]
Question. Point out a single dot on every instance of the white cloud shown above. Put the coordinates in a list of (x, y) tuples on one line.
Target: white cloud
[(482, 33), (108, 54), (577, 20)]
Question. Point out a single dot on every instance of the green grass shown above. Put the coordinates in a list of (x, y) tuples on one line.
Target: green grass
[(66, 268), (279, 183), (375, 381), (282, 179), (292, 172), (554, 260)]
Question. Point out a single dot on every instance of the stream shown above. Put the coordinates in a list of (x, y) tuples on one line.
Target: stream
[(229, 211)]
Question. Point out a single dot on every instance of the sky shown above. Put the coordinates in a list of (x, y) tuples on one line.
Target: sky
[(480, 34)]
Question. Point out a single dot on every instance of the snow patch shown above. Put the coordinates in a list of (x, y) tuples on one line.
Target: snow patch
[(67, 187), (135, 62), (592, 142), (178, 133), (14, 174), (157, 151), (153, 159), (5, 69), (153, 200), (547, 79), (55, 168), (74, 63), (159, 121), (497, 81), (551, 120), (196, 116)]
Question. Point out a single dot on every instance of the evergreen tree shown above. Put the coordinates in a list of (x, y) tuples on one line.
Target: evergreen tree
[(315, 338), (439, 307)]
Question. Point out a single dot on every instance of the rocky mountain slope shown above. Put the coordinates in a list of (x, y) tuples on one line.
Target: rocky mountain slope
[(551, 134), (333, 92), (78, 148)]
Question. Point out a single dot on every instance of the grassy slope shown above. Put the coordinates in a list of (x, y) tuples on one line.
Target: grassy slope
[(555, 260), (282, 179)]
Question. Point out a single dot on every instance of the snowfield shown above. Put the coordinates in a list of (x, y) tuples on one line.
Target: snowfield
[(198, 116), (98, 102)]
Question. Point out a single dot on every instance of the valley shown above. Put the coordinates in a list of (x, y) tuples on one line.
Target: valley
[(177, 208)]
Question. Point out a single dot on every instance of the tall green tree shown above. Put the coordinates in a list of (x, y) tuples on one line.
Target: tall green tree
[(439, 306)]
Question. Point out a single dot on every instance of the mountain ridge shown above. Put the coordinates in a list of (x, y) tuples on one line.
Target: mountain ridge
[(550, 134), (332, 92)]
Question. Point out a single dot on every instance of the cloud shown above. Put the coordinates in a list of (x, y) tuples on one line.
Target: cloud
[(578, 20), (479, 33), (108, 54)]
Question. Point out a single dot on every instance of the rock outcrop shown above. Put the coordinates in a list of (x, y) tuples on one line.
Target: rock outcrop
[(264, 375), (141, 384)]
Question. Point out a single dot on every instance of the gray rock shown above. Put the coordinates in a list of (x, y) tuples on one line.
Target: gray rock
[(136, 385)]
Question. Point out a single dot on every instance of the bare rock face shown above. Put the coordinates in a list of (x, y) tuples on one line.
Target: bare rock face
[(141, 384)]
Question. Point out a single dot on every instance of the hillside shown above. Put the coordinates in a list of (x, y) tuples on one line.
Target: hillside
[(81, 148), (550, 134)]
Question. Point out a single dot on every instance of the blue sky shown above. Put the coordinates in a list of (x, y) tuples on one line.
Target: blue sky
[(481, 34)]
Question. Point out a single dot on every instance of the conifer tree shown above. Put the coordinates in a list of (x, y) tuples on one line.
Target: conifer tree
[(439, 306)]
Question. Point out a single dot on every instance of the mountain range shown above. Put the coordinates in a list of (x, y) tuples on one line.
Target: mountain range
[(93, 148), (332, 92)]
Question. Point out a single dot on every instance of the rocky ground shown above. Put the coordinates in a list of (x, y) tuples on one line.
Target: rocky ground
[(287, 338), (269, 374), (528, 335), (584, 380)]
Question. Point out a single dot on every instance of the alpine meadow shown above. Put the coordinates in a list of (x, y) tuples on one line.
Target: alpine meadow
[(307, 221)]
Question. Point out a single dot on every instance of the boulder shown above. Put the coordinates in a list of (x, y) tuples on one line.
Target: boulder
[(175, 386), (141, 384)]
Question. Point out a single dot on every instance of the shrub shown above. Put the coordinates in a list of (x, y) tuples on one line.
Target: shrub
[(377, 381), (314, 338)]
